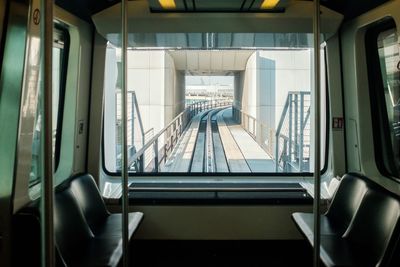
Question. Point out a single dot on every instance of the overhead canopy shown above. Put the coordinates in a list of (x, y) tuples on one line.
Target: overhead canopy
[(296, 18), (216, 40), (206, 62)]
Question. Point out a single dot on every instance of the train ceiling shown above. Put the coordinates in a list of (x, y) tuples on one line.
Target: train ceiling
[(86, 8)]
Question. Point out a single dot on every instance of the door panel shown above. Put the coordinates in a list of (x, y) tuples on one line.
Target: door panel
[(11, 78)]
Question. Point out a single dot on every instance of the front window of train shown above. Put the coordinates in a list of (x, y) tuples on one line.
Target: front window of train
[(213, 103)]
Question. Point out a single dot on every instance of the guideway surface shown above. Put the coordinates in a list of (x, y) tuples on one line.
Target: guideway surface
[(257, 159), (234, 149)]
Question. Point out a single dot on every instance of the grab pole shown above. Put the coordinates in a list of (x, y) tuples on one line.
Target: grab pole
[(124, 171), (317, 132), (47, 201)]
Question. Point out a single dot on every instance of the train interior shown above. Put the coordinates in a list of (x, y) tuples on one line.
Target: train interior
[(219, 114)]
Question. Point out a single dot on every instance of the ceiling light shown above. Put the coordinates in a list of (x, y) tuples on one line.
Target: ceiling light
[(167, 4), (269, 4)]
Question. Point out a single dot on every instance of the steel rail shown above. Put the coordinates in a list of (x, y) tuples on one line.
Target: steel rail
[(209, 155), (47, 203), (317, 133), (124, 171)]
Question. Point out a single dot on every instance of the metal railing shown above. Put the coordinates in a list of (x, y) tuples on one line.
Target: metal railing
[(134, 122), (261, 132), (163, 143), (292, 146)]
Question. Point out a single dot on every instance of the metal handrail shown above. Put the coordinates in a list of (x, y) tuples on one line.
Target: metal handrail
[(295, 138), (187, 114)]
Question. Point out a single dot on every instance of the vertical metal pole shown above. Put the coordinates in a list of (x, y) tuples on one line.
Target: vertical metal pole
[(317, 134), (302, 127), (47, 203), (124, 171)]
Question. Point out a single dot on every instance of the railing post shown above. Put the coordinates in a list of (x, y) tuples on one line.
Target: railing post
[(290, 125), (277, 154), (133, 120), (156, 156), (301, 141), (296, 125), (285, 155)]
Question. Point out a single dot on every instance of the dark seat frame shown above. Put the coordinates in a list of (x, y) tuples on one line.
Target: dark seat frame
[(361, 227), (86, 234)]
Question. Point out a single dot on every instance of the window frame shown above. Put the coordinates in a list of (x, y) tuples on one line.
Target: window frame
[(206, 176), (58, 31), (63, 83), (383, 151)]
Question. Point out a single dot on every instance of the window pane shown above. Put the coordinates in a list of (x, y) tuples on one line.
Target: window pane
[(36, 146), (388, 48), (240, 104)]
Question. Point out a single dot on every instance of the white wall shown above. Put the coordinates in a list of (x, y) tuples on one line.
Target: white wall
[(261, 90), (158, 86), (269, 76), (281, 72)]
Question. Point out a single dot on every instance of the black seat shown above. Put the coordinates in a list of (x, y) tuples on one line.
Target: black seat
[(361, 228), (345, 203), (100, 221), (86, 234), (370, 238)]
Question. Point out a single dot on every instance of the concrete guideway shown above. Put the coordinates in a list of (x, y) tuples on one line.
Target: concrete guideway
[(181, 157), (257, 159), (233, 149), (234, 156)]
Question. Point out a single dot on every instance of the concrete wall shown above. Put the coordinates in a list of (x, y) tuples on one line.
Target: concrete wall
[(159, 89), (261, 90)]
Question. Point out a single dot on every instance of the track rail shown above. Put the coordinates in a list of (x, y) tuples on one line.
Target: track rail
[(208, 145)]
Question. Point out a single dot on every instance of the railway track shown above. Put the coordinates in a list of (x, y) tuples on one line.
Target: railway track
[(208, 155)]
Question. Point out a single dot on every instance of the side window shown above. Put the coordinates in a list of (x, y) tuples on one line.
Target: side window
[(385, 95), (60, 56)]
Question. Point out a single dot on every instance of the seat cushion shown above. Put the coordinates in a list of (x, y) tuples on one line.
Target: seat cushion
[(112, 225), (305, 223)]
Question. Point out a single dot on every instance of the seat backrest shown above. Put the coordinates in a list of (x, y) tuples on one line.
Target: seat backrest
[(89, 199), (70, 227), (346, 200), (375, 225)]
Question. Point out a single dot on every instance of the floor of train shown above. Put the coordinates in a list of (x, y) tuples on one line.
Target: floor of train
[(221, 253)]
